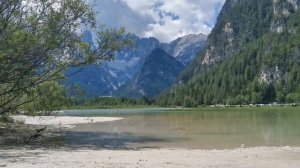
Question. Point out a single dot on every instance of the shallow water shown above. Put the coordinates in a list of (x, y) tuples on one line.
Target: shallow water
[(191, 129)]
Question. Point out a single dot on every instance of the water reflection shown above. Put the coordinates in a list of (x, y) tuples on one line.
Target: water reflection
[(192, 129)]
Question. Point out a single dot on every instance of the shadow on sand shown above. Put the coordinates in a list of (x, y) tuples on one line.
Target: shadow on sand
[(114, 141), (70, 140), (74, 141)]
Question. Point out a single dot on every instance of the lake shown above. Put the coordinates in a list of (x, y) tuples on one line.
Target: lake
[(208, 128)]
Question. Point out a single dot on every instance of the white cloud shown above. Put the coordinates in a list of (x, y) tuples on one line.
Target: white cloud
[(163, 19)]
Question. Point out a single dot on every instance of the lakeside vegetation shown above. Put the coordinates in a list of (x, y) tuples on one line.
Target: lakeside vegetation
[(108, 103), (237, 108), (131, 103)]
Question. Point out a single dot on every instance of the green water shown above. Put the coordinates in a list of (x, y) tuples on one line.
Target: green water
[(191, 129)]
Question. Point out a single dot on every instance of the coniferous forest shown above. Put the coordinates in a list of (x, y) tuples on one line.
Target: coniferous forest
[(255, 62)]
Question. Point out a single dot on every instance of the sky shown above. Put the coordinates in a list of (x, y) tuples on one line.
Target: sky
[(165, 20)]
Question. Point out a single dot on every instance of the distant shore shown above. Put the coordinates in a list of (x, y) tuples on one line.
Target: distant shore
[(260, 157), (274, 105)]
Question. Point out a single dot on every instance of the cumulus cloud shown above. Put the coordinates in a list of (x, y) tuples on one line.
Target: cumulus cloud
[(163, 19)]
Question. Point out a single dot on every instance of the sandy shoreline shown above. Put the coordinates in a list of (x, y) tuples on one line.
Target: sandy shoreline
[(259, 157), (264, 157), (62, 121)]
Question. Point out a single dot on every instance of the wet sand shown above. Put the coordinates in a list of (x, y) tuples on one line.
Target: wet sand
[(263, 157)]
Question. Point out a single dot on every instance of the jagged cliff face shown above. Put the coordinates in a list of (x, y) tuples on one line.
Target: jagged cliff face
[(128, 62), (235, 33), (285, 7), (230, 30), (158, 72), (223, 30), (281, 10), (186, 48), (211, 55), (270, 74)]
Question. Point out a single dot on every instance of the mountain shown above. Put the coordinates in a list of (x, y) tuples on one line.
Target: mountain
[(158, 72), (128, 62), (92, 80), (186, 48), (252, 56), (104, 79), (107, 79)]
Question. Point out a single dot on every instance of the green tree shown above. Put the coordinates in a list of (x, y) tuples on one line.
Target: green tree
[(189, 102), (40, 39), (256, 98), (45, 98), (77, 94)]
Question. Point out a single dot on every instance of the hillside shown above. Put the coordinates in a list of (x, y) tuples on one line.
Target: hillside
[(252, 56)]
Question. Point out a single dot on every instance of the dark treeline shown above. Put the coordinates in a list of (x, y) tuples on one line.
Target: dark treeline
[(108, 102)]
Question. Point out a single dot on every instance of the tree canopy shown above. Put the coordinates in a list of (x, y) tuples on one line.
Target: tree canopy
[(39, 39)]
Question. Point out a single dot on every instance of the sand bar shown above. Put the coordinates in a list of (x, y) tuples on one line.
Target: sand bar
[(62, 121)]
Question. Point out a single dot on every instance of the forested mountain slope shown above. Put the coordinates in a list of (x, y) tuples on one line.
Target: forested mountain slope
[(253, 56)]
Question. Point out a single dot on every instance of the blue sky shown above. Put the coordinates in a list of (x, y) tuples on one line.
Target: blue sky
[(163, 19)]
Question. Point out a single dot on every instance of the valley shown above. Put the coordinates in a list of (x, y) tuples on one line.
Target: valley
[(152, 83)]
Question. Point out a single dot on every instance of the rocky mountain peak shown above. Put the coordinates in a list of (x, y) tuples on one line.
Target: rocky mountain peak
[(186, 48), (158, 72)]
